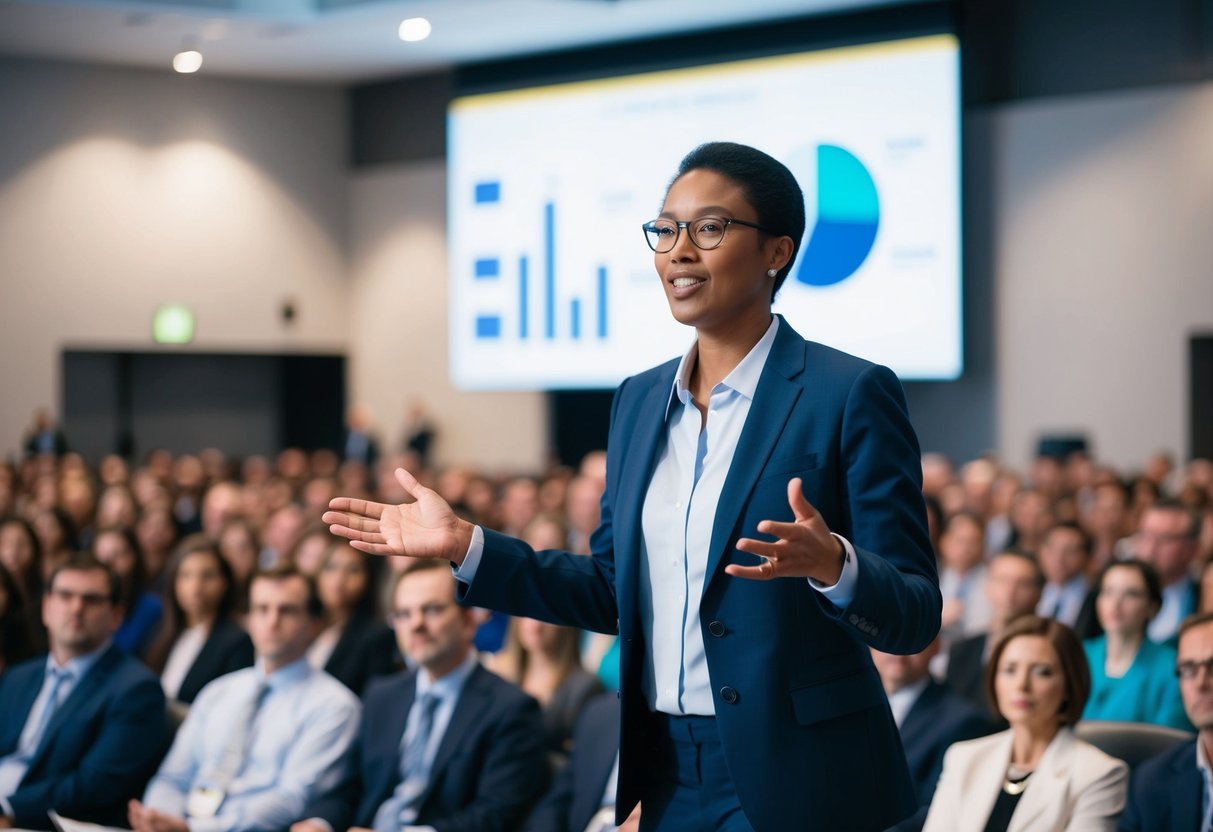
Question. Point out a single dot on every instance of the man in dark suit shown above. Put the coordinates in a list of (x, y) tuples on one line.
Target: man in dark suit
[(449, 746), (80, 730), (1167, 539), (585, 790), (1014, 582), (1168, 793), (929, 716)]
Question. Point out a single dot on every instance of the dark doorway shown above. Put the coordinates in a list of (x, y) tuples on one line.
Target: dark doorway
[(132, 402), (1200, 396)]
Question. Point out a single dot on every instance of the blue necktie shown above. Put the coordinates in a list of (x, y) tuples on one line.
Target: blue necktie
[(57, 676), (401, 808)]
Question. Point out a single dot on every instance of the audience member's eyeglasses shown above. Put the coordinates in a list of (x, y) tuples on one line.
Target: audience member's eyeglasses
[(88, 599), (1190, 670)]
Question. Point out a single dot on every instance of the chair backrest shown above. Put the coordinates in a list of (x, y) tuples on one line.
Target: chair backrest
[(1133, 742)]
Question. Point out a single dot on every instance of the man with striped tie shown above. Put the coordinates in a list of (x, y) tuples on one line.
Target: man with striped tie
[(448, 746)]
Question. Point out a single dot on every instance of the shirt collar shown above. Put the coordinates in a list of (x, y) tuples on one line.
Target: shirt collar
[(283, 676), (77, 666), (449, 686), (744, 377)]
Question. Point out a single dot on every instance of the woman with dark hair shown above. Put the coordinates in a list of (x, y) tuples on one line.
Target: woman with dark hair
[(1132, 678), (1036, 775), (57, 536), (16, 645), (21, 558), (198, 641), (118, 549), (762, 526), (354, 645)]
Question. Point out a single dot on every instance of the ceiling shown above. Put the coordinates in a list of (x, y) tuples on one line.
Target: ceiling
[(345, 41)]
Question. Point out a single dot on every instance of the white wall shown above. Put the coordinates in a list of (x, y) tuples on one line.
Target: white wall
[(1103, 268), (121, 190), (398, 326)]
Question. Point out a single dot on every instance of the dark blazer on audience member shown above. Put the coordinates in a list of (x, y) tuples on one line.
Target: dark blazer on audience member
[(1165, 793), (490, 768), (100, 746), (366, 649), (563, 710), (228, 648), (966, 669), (577, 793), (936, 720)]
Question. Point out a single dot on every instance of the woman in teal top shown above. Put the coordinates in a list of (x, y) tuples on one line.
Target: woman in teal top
[(1132, 678)]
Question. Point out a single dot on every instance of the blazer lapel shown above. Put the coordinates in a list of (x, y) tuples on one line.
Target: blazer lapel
[(73, 706), (391, 730), (1186, 788), (983, 783), (774, 399), (471, 703), (12, 727)]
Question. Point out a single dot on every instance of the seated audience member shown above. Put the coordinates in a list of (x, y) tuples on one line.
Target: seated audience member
[(20, 556), (156, 531), (1166, 539), (1065, 554), (354, 645), (80, 730), (259, 743), (1106, 517), (1132, 678), (1031, 516), (57, 536), (448, 746), (309, 550), (117, 548), (1170, 792), (16, 644), (1037, 775), (545, 661), (962, 574), (929, 716), (199, 641), (1013, 586), (582, 799)]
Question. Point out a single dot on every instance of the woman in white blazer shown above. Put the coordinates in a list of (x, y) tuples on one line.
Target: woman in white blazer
[(1037, 775)]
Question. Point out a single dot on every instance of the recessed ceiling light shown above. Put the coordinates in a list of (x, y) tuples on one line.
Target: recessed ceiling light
[(415, 29), (187, 61)]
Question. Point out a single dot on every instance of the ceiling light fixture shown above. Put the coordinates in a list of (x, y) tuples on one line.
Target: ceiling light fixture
[(414, 29), (189, 59)]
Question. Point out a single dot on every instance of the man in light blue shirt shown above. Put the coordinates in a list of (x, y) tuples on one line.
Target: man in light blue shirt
[(259, 743)]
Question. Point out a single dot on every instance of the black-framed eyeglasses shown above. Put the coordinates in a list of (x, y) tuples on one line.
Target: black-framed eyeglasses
[(1189, 670), (706, 233)]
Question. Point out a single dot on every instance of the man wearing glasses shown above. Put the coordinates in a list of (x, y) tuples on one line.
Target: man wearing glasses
[(1173, 792), (81, 729)]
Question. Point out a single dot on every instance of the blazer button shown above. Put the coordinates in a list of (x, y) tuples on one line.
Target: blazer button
[(716, 628), (729, 695), (854, 618)]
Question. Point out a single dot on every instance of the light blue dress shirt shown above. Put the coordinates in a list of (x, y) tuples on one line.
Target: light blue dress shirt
[(15, 765), (677, 520), (298, 744)]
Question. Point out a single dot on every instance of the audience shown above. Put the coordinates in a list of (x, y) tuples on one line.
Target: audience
[(1166, 539), (1037, 775), (118, 549), (198, 640), (962, 576), (83, 727), (449, 745), (261, 743), (1065, 555), (16, 644), (1131, 677)]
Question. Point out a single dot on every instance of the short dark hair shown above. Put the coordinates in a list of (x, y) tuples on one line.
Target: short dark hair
[(768, 185), (286, 571), (1070, 656), (1084, 539), (1196, 619), (1148, 574), (1176, 507), (87, 562), (1027, 557)]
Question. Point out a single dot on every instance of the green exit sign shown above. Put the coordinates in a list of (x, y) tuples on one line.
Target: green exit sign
[(173, 323)]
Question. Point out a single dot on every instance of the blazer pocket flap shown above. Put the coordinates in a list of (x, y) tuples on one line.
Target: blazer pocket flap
[(789, 465), (836, 697)]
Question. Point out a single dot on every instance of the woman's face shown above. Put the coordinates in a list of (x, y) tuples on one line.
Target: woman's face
[(239, 549), (343, 579), (200, 585), (113, 550), (1123, 604), (310, 553), (714, 290), (16, 550), (538, 636), (1029, 685)]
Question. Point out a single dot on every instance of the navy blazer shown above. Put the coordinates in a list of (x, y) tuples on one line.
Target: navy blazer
[(100, 747), (366, 649), (490, 768), (1165, 793), (577, 794), (802, 715), (227, 649), (937, 719)]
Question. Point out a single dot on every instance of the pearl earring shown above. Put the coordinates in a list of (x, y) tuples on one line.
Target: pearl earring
[(772, 272)]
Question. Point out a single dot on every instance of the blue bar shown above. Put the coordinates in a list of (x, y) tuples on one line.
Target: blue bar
[(549, 247), (488, 326), (488, 267), (602, 302), (522, 297), (575, 313), (487, 192)]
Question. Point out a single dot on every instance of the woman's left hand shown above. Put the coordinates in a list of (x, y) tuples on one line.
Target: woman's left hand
[(805, 548)]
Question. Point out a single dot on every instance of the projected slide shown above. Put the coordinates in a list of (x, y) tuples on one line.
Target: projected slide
[(552, 285)]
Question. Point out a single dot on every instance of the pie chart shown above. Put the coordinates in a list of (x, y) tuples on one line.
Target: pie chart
[(848, 215)]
